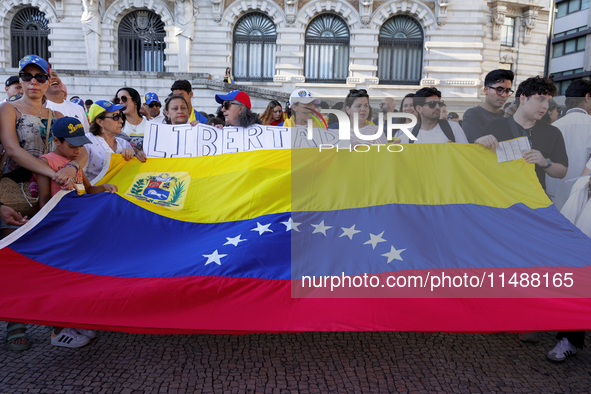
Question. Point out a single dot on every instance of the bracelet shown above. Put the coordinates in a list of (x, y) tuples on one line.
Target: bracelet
[(73, 165)]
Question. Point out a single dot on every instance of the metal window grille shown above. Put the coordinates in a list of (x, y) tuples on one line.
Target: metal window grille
[(327, 50), (255, 38), (141, 42), (400, 52), (29, 33)]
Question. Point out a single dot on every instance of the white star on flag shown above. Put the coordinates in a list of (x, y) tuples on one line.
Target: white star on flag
[(214, 257), (393, 254), (290, 225), (375, 239), (349, 232), (234, 241), (261, 229), (320, 228)]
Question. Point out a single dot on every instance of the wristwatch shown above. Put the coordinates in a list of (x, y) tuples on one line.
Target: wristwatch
[(549, 163)]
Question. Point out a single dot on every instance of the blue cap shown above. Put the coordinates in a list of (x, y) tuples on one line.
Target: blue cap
[(36, 60), (79, 102), (150, 98), (71, 129), (100, 106), (236, 95)]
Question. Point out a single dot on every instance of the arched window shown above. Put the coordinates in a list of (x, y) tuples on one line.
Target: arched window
[(400, 52), (255, 38), (28, 35), (327, 50), (141, 42)]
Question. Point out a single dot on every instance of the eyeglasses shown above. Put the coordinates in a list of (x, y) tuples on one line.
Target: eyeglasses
[(152, 105), (40, 78), (433, 104), (357, 91), (501, 90), (115, 117), (118, 100), (227, 104)]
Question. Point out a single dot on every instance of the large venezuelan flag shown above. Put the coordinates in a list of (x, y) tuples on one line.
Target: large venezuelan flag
[(256, 242)]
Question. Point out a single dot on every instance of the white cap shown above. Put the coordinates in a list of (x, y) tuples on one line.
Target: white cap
[(303, 96)]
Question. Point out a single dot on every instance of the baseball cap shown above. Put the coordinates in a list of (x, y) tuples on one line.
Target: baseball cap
[(101, 106), (70, 129), (150, 98), (78, 101), (14, 97), (11, 80), (237, 95), (36, 60), (303, 96)]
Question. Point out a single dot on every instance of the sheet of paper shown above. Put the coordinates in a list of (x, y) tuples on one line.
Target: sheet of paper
[(512, 149)]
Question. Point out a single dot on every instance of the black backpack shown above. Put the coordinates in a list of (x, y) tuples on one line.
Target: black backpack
[(445, 127)]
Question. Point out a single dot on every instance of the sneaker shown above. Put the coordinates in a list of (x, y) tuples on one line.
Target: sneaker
[(562, 350), (69, 338), (532, 337), (87, 333)]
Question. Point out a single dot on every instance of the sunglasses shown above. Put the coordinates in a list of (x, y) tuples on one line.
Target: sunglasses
[(114, 117), (227, 104), (501, 90), (358, 91), (40, 78), (118, 100), (433, 104), (152, 105)]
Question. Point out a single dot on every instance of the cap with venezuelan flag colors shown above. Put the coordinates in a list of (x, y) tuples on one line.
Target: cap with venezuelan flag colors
[(101, 106)]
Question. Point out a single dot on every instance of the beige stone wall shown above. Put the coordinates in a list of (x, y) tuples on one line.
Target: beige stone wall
[(459, 48)]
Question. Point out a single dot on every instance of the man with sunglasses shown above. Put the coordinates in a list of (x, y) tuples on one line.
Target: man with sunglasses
[(497, 89), (430, 129), (56, 102), (151, 108)]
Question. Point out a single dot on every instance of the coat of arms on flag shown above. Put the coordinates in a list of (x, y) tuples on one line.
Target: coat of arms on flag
[(165, 189)]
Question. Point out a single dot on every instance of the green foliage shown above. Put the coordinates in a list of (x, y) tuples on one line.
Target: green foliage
[(138, 186), (177, 192)]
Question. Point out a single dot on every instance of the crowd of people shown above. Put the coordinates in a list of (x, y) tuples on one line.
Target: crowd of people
[(51, 142)]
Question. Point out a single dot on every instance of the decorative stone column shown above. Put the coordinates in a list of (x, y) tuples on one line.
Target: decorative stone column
[(184, 22), (91, 27), (498, 18), (530, 16)]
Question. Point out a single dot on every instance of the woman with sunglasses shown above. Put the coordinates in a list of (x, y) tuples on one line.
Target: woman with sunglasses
[(236, 109), (133, 122), (358, 108), (106, 122), (24, 136), (273, 115)]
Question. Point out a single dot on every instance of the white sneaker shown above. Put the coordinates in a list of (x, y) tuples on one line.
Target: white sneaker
[(69, 338), (87, 333), (562, 350)]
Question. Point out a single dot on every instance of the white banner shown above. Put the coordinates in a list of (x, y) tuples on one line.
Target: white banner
[(162, 140)]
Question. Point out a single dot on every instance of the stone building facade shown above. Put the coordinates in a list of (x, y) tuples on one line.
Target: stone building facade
[(451, 44)]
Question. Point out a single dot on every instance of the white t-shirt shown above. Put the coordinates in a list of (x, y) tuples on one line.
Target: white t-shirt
[(97, 151), (436, 135), (134, 133), (68, 108), (159, 118), (576, 130)]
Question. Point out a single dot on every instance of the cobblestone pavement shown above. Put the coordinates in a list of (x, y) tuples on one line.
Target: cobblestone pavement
[(353, 362)]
